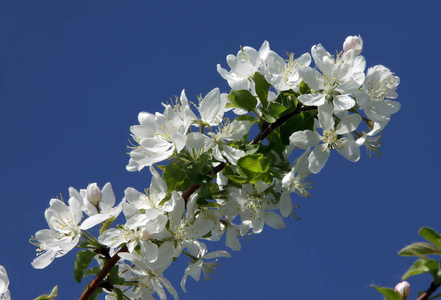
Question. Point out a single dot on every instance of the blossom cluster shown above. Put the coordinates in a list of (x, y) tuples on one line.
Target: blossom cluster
[(210, 178)]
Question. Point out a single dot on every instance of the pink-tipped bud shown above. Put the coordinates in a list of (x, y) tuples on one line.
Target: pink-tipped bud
[(145, 234), (403, 288), (93, 194), (354, 43)]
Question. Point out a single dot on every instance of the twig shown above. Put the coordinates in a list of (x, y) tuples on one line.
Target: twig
[(101, 275), (433, 287)]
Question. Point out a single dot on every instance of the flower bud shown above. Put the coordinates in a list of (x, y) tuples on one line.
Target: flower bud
[(145, 234), (403, 288), (354, 43), (93, 194)]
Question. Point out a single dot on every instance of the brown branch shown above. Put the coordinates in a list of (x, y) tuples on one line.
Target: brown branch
[(101, 275), (267, 128), (433, 287)]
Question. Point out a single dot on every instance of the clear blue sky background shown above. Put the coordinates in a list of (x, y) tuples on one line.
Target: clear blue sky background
[(75, 74)]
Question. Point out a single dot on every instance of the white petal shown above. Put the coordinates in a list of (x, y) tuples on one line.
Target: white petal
[(232, 154), (318, 159), (197, 140), (348, 124), (155, 145), (305, 139), (313, 99), (325, 116), (350, 150), (343, 102), (44, 260), (219, 253), (94, 220), (149, 250), (108, 198), (179, 140), (212, 107), (274, 220), (285, 203), (232, 240)]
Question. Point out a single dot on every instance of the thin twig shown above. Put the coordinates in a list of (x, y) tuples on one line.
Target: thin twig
[(101, 275), (433, 287)]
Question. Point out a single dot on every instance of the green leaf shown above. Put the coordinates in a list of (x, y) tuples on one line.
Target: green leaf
[(204, 193), (435, 297), (106, 225), (212, 204), (233, 176), (431, 236), (92, 271), (287, 99), (114, 278), (276, 109), (119, 293), (299, 122), (422, 266), (243, 99), (175, 176), (246, 118), (262, 88), (275, 144), (54, 292), (254, 167), (304, 88), (267, 117), (51, 296), (84, 257), (420, 250), (388, 293)]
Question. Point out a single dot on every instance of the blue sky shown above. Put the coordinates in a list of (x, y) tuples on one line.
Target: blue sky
[(75, 74)]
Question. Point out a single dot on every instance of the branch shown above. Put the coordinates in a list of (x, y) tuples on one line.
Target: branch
[(433, 287), (101, 275), (267, 128)]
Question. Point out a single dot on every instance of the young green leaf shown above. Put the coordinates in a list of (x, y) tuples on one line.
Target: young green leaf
[(233, 177), (262, 88), (431, 236), (254, 167), (92, 271), (422, 266), (114, 278), (51, 296), (175, 177), (243, 99), (389, 294), (106, 225), (420, 250), (287, 99), (84, 257), (54, 292), (302, 121), (246, 118), (304, 88)]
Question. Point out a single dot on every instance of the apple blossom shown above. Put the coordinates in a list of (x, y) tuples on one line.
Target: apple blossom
[(243, 66), (403, 288), (4, 283), (353, 43)]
